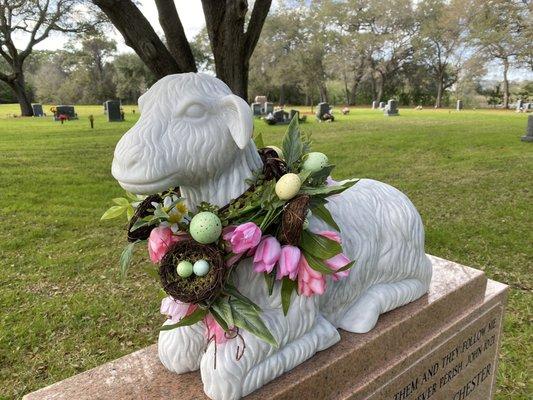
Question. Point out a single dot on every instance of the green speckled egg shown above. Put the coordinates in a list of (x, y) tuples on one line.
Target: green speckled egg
[(205, 227), (315, 161), (200, 268), (184, 269)]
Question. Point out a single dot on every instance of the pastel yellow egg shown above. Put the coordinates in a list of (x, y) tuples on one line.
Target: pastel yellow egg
[(277, 150), (288, 186)]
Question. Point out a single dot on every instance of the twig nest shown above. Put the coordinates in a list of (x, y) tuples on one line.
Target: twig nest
[(293, 220), (279, 152), (315, 161), (193, 288), (205, 227), (288, 186), (143, 232)]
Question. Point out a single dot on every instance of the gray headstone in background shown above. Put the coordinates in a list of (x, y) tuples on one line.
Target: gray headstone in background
[(261, 100), (268, 108), (375, 104), (65, 110), (381, 105), (293, 113), (256, 108), (391, 109), (519, 105), (529, 130), (281, 117), (37, 110), (113, 111), (459, 106), (321, 109)]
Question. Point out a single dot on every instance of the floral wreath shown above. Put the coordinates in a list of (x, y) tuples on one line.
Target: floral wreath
[(197, 252)]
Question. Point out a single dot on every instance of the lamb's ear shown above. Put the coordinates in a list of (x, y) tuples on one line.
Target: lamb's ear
[(239, 119)]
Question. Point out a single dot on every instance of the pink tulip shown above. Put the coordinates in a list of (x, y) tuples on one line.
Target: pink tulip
[(175, 310), (340, 260), (160, 240), (267, 254), (244, 237), (288, 262), (214, 330), (310, 282)]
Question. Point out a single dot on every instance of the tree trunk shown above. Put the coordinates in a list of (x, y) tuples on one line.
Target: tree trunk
[(353, 93), (282, 95), (440, 85), (379, 89), (19, 88), (505, 83), (323, 92)]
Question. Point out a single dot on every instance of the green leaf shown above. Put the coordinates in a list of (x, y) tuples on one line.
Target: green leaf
[(121, 201), (247, 318), (222, 307), (320, 211), (347, 266), (129, 212), (319, 177), (319, 246), (125, 258), (329, 190), (232, 291), (292, 145), (219, 318), (270, 279), (259, 142), (113, 212), (287, 287), (317, 265), (140, 223), (190, 319)]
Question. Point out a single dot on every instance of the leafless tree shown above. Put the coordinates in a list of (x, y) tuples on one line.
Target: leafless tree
[(33, 21), (232, 33)]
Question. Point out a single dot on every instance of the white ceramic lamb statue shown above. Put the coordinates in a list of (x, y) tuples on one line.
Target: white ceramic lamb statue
[(195, 134)]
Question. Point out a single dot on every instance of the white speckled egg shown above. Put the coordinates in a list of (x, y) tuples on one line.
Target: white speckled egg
[(184, 269), (288, 186), (200, 268), (205, 227), (315, 161), (277, 150)]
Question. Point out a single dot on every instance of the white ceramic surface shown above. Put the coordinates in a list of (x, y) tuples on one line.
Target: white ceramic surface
[(195, 134)]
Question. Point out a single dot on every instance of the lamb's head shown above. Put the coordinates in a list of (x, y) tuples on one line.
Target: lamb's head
[(191, 126)]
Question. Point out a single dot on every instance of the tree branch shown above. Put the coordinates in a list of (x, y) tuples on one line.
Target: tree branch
[(140, 36), (176, 40), (255, 25)]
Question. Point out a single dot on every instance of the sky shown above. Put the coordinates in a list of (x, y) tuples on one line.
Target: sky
[(192, 18)]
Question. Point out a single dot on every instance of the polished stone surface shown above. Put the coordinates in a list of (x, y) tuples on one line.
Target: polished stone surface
[(442, 346)]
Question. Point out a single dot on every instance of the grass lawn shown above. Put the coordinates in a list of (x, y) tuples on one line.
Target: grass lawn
[(65, 308)]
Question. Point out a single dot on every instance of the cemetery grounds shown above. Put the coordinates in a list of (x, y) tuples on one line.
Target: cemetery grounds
[(65, 308)]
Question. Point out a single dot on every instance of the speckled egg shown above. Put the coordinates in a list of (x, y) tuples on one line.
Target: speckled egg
[(277, 150), (184, 269), (205, 227), (200, 268), (288, 186), (315, 161)]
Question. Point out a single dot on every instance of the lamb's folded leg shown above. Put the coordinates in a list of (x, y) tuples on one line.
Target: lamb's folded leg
[(180, 350)]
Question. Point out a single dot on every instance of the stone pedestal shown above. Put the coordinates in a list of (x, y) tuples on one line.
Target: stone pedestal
[(528, 137), (443, 346)]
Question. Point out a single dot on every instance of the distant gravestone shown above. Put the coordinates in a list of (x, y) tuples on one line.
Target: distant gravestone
[(105, 107), (459, 106), (375, 104), (321, 110), (113, 111), (293, 113), (528, 137), (261, 100), (67, 111), (281, 117), (37, 110), (381, 105), (519, 105), (391, 109), (256, 108), (268, 108)]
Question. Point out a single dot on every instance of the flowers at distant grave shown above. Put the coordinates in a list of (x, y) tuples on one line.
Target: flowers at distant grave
[(196, 253)]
